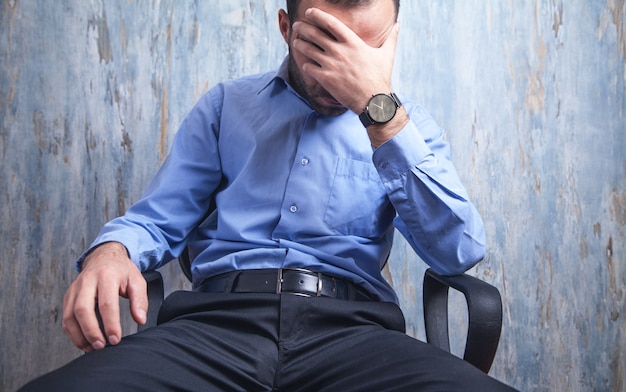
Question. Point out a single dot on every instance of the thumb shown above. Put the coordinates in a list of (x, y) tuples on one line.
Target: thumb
[(390, 43)]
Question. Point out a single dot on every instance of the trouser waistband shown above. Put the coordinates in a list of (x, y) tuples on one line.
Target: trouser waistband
[(284, 280)]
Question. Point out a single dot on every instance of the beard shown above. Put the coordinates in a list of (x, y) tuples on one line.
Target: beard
[(315, 94)]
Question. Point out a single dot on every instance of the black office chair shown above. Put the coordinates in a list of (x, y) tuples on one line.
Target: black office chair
[(483, 302)]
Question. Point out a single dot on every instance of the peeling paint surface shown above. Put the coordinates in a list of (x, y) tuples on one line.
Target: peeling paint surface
[(531, 94)]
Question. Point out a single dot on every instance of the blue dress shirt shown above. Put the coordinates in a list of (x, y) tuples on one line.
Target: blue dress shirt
[(298, 189)]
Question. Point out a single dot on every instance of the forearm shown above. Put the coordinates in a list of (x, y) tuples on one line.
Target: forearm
[(155, 228), (434, 211), (447, 233), (142, 242)]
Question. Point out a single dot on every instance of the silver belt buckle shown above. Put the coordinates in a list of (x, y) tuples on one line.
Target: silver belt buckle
[(319, 284), (280, 280)]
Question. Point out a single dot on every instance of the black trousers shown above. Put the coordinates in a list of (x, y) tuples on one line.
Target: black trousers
[(269, 342)]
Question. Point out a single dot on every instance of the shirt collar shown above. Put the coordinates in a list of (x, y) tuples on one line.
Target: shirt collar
[(281, 74)]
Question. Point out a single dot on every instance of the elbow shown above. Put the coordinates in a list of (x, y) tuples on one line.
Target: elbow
[(469, 256), (469, 251)]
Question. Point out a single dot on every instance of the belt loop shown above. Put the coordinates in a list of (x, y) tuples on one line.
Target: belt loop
[(279, 281), (319, 284), (351, 292), (231, 281)]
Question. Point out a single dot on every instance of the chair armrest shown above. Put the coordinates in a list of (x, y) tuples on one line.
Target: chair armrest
[(484, 306), (154, 282)]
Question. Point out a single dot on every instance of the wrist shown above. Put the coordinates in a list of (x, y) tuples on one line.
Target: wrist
[(381, 108), (105, 249), (379, 134)]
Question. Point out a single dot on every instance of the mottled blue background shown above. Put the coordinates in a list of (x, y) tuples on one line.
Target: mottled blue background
[(531, 94)]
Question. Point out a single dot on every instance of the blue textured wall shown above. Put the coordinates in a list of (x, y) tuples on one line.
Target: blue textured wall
[(531, 93)]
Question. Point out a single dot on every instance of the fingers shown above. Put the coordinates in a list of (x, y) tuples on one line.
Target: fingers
[(109, 308), (132, 287), (137, 293), (107, 273), (322, 27), (310, 50), (351, 65), (70, 324), (79, 318), (329, 24), (324, 52), (332, 45), (313, 43), (322, 36)]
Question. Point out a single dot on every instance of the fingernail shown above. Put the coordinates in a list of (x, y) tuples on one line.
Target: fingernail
[(113, 340), (97, 345), (143, 316)]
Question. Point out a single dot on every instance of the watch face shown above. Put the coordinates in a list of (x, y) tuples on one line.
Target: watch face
[(381, 108)]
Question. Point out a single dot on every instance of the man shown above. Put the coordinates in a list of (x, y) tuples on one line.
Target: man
[(309, 167)]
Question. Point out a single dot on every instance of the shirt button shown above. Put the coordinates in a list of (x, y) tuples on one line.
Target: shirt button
[(293, 208), (304, 161)]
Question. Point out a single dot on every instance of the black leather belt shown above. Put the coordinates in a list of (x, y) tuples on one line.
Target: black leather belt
[(284, 280)]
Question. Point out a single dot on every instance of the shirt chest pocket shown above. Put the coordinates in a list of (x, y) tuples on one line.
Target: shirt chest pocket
[(358, 204)]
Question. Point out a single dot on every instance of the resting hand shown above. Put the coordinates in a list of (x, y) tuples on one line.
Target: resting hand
[(107, 273)]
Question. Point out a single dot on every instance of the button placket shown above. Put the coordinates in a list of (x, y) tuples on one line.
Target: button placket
[(304, 161)]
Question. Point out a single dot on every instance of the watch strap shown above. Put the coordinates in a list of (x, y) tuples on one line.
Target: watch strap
[(365, 118), (395, 99)]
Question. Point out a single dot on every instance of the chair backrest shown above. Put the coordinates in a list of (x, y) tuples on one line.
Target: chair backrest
[(184, 261)]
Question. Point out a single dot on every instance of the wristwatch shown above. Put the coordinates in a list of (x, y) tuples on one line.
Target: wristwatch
[(380, 109)]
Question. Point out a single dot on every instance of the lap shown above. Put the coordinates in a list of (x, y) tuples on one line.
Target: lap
[(269, 342), (375, 359), (205, 346)]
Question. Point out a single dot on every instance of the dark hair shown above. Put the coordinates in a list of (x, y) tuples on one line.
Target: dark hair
[(292, 6)]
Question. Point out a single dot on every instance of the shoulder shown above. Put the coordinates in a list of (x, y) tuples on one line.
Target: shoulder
[(246, 86), (249, 83)]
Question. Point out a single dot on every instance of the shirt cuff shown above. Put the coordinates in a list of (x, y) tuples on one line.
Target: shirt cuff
[(402, 153)]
